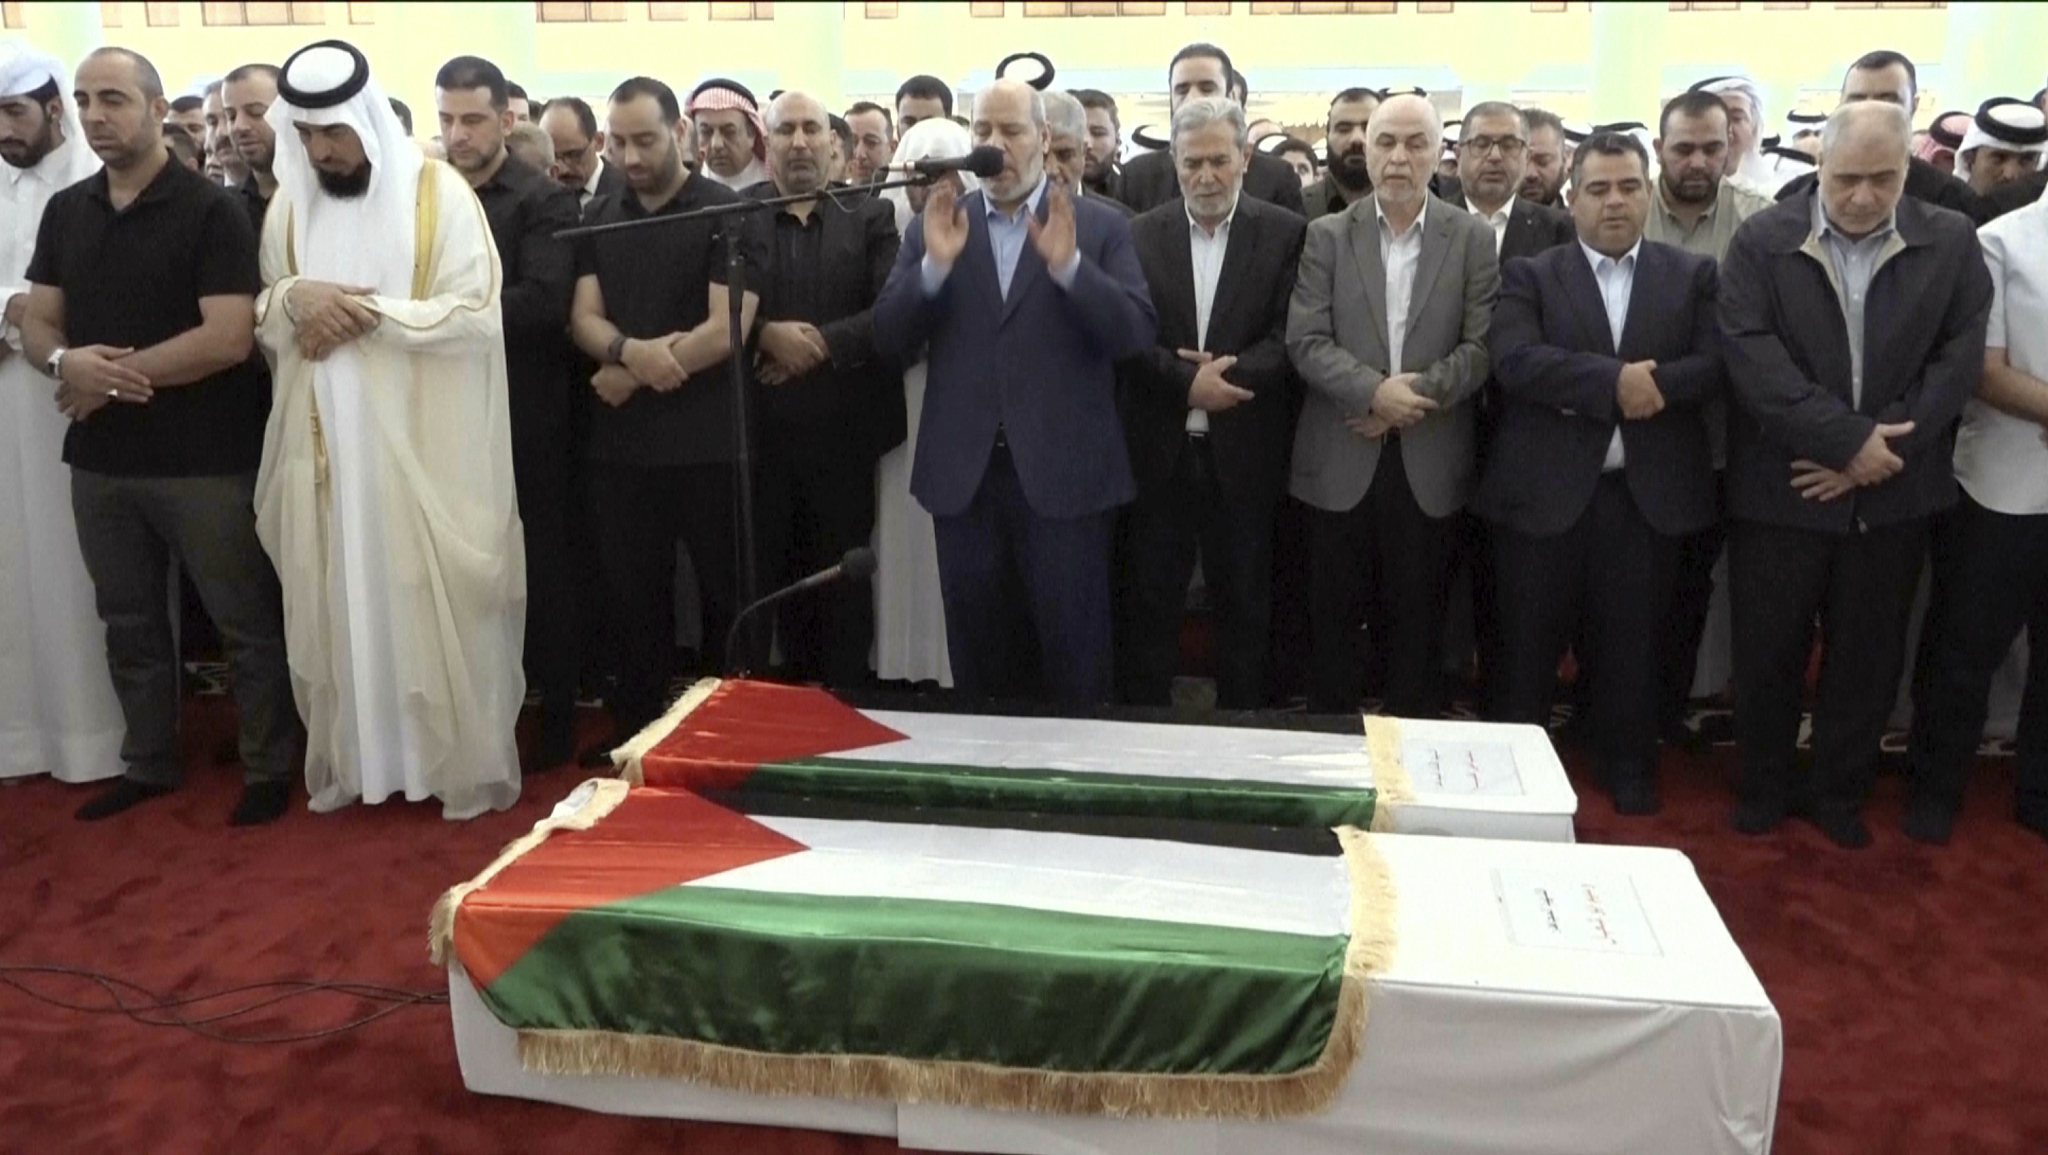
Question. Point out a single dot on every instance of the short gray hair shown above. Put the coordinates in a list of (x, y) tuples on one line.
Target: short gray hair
[(535, 138), (1196, 115), (1064, 114), (1849, 116)]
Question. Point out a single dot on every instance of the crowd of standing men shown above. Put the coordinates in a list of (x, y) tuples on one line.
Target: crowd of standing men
[(1573, 368)]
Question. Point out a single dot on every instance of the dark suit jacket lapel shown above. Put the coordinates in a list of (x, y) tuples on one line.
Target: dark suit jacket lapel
[(980, 255), (1643, 298), (1169, 244), (1365, 250), (1582, 289), (1436, 248), (1238, 253), (1520, 238), (1030, 266)]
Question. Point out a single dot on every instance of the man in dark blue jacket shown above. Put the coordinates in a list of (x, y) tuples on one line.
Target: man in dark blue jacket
[(1853, 321), (1605, 354), (1025, 298)]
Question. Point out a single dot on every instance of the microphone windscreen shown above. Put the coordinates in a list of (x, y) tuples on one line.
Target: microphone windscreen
[(984, 161), (858, 564)]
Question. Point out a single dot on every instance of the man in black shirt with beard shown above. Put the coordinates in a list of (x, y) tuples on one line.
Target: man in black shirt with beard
[(538, 272), (651, 308)]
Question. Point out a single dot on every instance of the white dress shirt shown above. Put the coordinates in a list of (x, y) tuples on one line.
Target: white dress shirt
[(1206, 251), (589, 188), (1007, 233), (1617, 281), (1498, 218), (1400, 256), (2001, 460)]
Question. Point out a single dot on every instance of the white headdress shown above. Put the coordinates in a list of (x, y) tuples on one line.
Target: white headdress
[(363, 241), (24, 70), (2004, 123), (937, 138)]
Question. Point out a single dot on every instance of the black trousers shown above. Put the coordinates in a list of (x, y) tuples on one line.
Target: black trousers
[(642, 512), (1991, 579), (1859, 588), (129, 530), (813, 501), (541, 473), (1028, 610), (1164, 528), (1685, 625), (1609, 580), (1385, 545)]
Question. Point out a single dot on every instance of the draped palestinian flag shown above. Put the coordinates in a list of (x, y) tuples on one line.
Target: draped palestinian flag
[(650, 931), (755, 746)]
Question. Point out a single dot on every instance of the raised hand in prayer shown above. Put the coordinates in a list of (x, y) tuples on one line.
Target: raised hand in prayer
[(945, 225), (789, 349), (1054, 239), (327, 316)]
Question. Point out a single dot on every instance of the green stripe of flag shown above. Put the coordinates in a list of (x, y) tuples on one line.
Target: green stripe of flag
[(942, 981)]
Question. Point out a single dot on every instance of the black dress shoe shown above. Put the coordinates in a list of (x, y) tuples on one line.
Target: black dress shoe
[(1928, 823), (1754, 816), (1637, 797), (1844, 830), (118, 797), (261, 802)]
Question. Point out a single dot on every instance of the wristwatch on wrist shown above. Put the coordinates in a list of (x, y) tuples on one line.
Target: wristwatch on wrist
[(54, 366), (615, 353)]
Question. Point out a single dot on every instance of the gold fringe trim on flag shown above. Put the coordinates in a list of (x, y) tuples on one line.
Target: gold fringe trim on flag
[(1391, 785), (627, 757), (1112, 1094), (605, 796)]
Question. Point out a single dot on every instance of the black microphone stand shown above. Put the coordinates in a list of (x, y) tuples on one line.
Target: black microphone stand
[(735, 289)]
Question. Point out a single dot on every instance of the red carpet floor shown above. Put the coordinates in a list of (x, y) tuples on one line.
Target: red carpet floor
[(1911, 981)]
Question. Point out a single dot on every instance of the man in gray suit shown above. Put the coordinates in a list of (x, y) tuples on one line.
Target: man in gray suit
[(1388, 330)]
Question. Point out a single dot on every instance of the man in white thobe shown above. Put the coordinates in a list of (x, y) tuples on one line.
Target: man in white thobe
[(58, 714), (386, 495)]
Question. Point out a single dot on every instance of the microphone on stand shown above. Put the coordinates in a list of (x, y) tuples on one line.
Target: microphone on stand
[(858, 565), (983, 161)]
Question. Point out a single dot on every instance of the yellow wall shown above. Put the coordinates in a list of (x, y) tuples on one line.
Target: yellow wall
[(1596, 61)]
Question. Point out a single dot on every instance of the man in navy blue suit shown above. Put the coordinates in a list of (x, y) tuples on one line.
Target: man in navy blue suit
[(1605, 353), (1024, 298)]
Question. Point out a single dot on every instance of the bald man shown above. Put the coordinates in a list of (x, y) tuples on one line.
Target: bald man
[(1026, 298), (829, 404), (1388, 330), (1840, 454)]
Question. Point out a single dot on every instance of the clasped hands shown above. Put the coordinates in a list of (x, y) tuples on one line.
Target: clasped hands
[(1395, 405), (326, 316), (651, 363), (93, 376), (788, 350), (1873, 464)]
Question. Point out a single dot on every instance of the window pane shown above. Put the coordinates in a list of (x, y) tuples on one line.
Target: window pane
[(1374, 7), (983, 8), (881, 10), (309, 13), (609, 13), (1272, 7), (213, 13), (740, 10), (262, 13), (160, 15), (668, 11), (563, 11), (362, 12), (1059, 8), (11, 14), (1208, 8), (1321, 7), (110, 13)]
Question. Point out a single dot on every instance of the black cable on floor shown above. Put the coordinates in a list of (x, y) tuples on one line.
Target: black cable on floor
[(163, 1010)]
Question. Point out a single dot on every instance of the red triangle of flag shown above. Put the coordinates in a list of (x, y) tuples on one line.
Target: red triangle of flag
[(744, 725)]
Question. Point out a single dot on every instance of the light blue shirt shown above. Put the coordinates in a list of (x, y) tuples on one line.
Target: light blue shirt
[(1007, 236), (1617, 280), (1855, 264)]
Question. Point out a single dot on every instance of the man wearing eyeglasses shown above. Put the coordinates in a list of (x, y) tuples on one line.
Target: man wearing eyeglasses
[(1493, 155)]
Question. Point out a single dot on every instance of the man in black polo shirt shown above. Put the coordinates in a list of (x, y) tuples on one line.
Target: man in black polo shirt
[(247, 95), (829, 406), (144, 283), (525, 210), (651, 307)]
